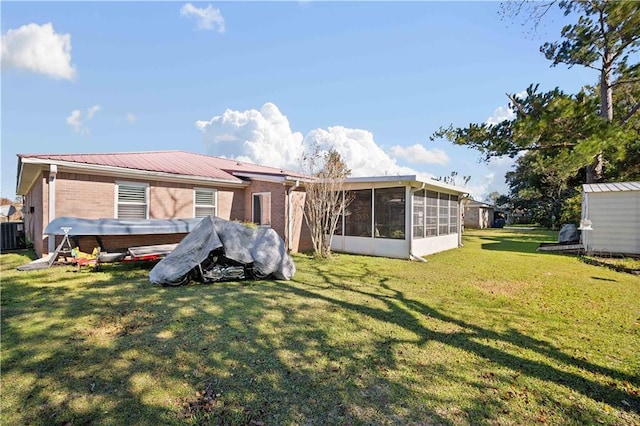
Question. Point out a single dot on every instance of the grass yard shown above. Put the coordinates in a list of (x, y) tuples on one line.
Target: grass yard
[(492, 333)]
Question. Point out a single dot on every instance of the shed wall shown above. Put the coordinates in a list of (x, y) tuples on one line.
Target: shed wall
[(615, 218)]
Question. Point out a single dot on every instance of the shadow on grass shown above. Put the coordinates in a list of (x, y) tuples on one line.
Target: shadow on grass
[(403, 312), (116, 349)]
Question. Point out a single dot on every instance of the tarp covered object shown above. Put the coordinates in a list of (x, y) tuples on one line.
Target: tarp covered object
[(260, 247)]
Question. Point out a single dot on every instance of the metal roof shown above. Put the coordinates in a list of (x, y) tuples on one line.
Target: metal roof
[(171, 162), (611, 187)]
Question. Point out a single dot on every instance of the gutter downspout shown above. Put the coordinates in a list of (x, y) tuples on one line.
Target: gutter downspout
[(290, 215), (411, 255), (53, 171)]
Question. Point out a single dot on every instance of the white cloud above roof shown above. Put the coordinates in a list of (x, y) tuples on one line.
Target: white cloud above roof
[(358, 149), (208, 18), (38, 49), (262, 137), (265, 137), (77, 122), (418, 154)]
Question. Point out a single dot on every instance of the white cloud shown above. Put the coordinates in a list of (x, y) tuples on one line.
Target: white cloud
[(208, 18), (500, 114), (261, 137), (92, 111), (358, 149), (265, 137), (418, 154), (39, 49), (77, 122), (131, 118), (505, 112)]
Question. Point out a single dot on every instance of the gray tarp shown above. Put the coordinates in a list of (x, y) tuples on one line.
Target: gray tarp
[(568, 233), (262, 247)]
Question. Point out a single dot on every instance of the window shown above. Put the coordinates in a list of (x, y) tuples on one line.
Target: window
[(357, 218), (131, 200), (431, 222), (205, 203), (261, 209), (389, 214), (453, 214), (443, 214), (419, 204)]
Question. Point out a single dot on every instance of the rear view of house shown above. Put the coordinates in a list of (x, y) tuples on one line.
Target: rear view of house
[(611, 218), (157, 185)]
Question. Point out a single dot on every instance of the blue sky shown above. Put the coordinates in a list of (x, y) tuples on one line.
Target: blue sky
[(259, 80)]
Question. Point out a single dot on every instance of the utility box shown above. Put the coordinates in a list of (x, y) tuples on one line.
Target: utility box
[(12, 236)]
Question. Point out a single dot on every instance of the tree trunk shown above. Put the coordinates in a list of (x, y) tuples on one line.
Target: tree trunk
[(595, 170)]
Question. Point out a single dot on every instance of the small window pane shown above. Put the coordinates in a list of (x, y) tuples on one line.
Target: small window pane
[(205, 203), (390, 213), (443, 214), (357, 217), (431, 226), (419, 209), (132, 201), (262, 209), (453, 214)]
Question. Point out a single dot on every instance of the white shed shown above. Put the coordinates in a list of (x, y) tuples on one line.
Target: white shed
[(611, 218)]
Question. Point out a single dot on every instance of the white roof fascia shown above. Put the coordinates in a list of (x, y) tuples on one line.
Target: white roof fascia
[(410, 178), (122, 171)]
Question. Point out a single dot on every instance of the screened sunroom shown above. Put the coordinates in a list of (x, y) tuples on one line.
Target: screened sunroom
[(399, 216)]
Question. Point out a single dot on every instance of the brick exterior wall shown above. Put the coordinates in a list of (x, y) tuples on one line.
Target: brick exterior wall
[(93, 197), (278, 199), (34, 222), (86, 196)]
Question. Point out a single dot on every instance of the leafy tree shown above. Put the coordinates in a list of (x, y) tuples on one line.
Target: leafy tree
[(606, 34), (325, 196)]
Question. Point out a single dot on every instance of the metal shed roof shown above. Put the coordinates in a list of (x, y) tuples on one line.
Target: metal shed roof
[(611, 187)]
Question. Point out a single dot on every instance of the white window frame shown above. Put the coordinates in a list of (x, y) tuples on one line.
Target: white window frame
[(214, 192), (253, 218), (131, 184)]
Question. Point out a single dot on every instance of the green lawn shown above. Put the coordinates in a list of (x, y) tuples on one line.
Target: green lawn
[(492, 333)]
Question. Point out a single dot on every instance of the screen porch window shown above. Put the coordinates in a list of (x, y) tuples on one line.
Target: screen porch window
[(205, 202), (389, 213), (431, 221), (132, 201), (419, 204), (453, 214), (443, 214), (357, 216), (262, 209)]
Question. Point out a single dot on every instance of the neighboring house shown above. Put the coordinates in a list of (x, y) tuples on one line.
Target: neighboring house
[(400, 216), (611, 218), (392, 216), (478, 215), (157, 185)]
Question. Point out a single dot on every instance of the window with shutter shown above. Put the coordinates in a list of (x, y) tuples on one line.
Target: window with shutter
[(205, 202), (132, 201)]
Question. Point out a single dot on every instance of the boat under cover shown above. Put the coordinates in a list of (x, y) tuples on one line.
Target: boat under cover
[(79, 226)]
